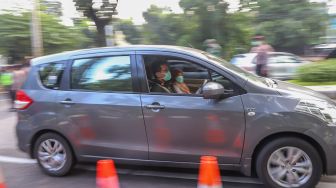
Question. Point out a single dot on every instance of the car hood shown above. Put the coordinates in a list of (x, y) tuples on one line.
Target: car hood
[(288, 89)]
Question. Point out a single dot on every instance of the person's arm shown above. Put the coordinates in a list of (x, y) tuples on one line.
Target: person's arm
[(177, 89)]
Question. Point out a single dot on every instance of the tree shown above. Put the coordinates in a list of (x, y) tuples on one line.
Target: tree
[(163, 27), (201, 20), (132, 32), (100, 12), (289, 25), (213, 21), (15, 35)]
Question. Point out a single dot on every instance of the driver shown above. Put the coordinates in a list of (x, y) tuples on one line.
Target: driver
[(162, 75)]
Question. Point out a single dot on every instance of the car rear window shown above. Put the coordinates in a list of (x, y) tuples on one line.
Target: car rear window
[(102, 74), (51, 74)]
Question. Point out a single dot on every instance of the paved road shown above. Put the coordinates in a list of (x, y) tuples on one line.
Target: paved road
[(19, 171)]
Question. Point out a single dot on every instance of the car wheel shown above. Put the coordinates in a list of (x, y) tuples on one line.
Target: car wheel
[(289, 162), (53, 154)]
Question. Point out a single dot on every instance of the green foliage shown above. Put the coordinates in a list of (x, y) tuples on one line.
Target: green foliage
[(324, 71), (164, 27), (57, 37), (15, 35), (312, 83), (200, 21), (133, 33), (289, 25)]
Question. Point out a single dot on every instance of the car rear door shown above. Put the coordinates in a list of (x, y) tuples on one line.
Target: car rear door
[(100, 104), (181, 128)]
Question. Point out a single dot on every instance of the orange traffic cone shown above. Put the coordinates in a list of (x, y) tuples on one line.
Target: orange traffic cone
[(2, 180), (209, 175), (106, 174)]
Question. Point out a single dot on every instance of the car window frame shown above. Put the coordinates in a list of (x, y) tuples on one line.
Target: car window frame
[(134, 73), (143, 81), (64, 62)]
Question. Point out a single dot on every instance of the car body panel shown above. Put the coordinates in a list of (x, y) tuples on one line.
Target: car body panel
[(218, 126), (118, 125), (189, 127), (104, 124)]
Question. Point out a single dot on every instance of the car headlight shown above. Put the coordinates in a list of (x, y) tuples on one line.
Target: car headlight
[(319, 108)]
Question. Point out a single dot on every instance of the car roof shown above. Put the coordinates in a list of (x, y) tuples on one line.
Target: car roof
[(69, 54)]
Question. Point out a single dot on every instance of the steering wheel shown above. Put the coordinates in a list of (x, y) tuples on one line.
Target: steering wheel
[(199, 91)]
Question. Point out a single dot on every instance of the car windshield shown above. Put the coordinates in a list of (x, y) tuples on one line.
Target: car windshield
[(240, 72)]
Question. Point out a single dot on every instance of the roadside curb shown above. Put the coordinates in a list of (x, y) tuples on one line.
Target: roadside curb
[(329, 91)]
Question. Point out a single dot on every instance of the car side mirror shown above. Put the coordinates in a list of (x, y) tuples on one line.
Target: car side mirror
[(213, 90)]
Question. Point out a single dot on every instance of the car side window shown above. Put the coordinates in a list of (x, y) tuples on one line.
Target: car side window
[(51, 74), (102, 74), (194, 76), (226, 83)]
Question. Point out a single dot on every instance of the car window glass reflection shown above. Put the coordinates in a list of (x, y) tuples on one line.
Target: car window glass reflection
[(104, 74)]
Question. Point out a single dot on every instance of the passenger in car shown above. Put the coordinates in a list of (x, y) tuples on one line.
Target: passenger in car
[(178, 82), (162, 75)]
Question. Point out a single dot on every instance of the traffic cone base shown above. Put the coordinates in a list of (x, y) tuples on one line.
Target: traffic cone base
[(111, 182), (207, 186), (209, 175), (2, 180), (106, 174)]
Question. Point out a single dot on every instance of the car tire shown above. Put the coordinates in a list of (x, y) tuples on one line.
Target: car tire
[(303, 172), (54, 154)]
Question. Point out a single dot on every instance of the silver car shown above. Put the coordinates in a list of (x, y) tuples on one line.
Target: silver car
[(280, 65), (86, 105)]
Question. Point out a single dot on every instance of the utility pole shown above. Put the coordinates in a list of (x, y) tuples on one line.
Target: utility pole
[(36, 33)]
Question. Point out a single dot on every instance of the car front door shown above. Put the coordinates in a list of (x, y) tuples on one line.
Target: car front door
[(183, 127), (102, 107)]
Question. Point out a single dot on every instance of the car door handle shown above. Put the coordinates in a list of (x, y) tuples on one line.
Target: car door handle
[(67, 102), (155, 106)]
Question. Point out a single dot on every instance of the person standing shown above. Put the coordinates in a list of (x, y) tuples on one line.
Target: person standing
[(19, 76), (212, 47), (6, 81), (262, 51)]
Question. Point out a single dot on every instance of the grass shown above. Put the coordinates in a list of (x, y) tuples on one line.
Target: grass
[(312, 83), (317, 74)]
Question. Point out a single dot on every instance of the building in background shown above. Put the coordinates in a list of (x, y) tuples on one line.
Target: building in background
[(52, 7)]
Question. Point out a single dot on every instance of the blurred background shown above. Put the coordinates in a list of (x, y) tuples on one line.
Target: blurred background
[(304, 29), (297, 36)]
